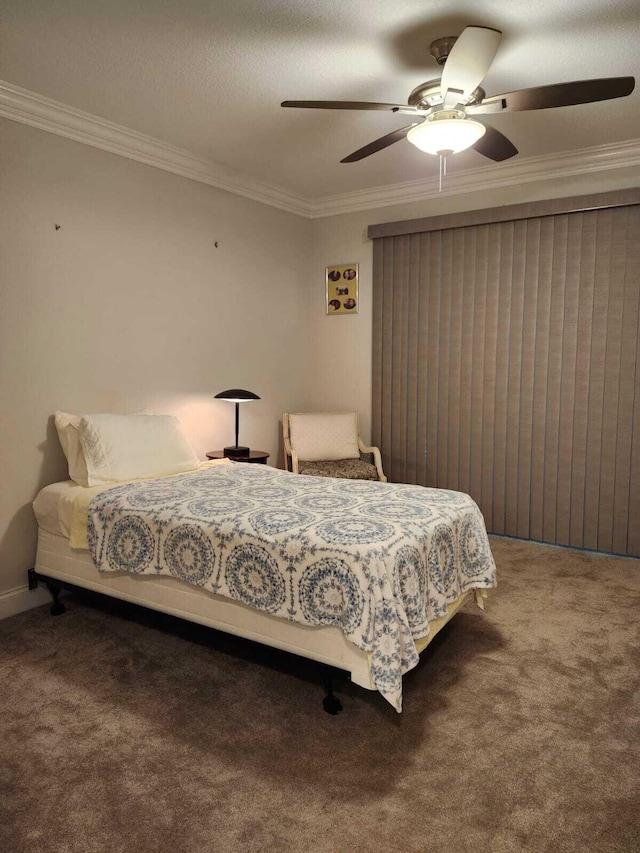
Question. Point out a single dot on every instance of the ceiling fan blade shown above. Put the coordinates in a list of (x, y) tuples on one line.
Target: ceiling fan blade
[(344, 105), (495, 145), (379, 144), (561, 95), (469, 61)]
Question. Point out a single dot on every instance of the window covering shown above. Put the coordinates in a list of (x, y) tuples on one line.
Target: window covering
[(507, 365)]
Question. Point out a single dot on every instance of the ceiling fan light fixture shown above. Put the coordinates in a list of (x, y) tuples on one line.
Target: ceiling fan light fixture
[(446, 132)]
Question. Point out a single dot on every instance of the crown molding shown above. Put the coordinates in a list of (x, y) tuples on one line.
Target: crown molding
[(552, 166), (52, 116), (27, 107)]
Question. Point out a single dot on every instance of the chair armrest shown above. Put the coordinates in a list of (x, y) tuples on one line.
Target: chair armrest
[(291, 454), (377, 458)]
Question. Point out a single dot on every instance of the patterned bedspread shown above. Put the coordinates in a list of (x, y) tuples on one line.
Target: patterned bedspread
[(377, 560)]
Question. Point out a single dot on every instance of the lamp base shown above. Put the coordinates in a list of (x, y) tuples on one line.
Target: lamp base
[(236, 451)]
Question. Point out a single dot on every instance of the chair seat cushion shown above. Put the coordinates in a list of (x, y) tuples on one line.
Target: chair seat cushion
[(349, 469)]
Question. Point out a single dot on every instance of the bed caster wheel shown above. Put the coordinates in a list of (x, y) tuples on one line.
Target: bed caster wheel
[(332, 705), (57, 608)]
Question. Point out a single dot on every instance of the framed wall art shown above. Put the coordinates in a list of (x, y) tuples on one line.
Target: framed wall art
[(342, 289)]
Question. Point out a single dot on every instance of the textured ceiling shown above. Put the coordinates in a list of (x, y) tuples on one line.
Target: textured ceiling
[(209, 76)]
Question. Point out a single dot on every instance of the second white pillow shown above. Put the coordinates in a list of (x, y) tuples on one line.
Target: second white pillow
[(131, 447)]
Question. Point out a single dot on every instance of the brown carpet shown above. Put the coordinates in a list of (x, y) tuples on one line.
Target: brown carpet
[(520, 731)]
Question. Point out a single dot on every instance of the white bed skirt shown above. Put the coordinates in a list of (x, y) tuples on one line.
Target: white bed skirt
[(55, 559)]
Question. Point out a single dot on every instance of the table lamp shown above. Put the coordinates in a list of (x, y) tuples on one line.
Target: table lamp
[(237, 396)]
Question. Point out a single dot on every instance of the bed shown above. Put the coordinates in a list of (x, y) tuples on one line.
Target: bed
[(356, 575)]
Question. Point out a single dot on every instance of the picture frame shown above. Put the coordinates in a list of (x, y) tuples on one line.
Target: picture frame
[(341, 281)]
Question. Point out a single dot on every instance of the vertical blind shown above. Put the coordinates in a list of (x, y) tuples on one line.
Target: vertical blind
[(507, 365)]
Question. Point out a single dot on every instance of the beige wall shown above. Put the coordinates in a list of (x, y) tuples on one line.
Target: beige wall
[(341, 345), (129, 305)]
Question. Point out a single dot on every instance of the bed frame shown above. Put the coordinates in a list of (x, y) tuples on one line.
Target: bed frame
[(58, 566)]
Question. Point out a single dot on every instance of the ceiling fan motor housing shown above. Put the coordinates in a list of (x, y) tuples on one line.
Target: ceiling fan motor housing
[(428, 95)]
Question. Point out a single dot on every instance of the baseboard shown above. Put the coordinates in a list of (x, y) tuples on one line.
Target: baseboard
[(20, 599), (567, 547)]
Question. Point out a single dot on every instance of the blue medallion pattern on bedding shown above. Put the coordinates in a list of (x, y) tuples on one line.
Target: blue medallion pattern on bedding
[(376, 560)]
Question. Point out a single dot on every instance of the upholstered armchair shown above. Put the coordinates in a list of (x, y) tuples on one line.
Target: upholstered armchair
[(328, 445)]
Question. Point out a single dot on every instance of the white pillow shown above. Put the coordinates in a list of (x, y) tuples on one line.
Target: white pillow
[(67, 428), (318, 436), (131, 447)]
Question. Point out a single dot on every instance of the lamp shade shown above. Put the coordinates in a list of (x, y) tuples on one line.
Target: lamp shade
[(237, 396), (446, 132)]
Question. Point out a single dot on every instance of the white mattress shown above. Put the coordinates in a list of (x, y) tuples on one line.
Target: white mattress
[(54, 505)]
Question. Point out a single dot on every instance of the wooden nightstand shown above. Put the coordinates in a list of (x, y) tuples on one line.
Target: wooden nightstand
[(258, 456)]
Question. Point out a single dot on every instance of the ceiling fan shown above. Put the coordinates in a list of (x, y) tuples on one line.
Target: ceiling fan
[(446, 110)]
